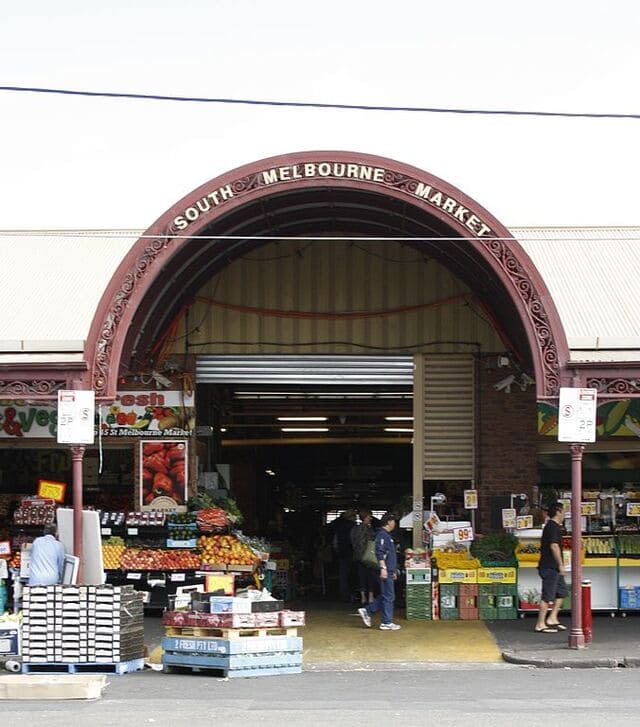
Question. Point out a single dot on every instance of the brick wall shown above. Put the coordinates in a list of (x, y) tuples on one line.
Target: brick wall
[(506, 441)]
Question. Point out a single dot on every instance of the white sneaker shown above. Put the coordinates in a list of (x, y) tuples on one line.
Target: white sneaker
[(389, 627), (364, 615)]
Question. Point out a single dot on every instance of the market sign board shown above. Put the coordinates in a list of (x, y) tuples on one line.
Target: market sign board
[(133, 413), (577, 415), (76, 416)]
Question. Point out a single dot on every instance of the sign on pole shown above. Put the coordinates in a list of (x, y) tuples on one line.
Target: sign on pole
[(471, 499), (577, 415), (76, 416)]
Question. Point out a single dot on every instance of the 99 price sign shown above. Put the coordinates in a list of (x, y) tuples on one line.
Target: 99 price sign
[(463, 535)]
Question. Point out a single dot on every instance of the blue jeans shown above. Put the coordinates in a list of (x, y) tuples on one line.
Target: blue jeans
[(385, 600)]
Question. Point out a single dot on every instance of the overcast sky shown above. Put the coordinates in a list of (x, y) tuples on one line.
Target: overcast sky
[(100, 163)]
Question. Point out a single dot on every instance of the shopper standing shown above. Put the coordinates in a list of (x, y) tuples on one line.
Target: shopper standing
[(361, 537), (47, 559), (551, 570), (387, 559)]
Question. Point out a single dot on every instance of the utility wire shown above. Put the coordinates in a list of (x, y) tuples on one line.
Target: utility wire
[(316, 104)]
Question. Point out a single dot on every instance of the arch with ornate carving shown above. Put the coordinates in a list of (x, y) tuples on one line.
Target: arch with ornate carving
[(225, 217)]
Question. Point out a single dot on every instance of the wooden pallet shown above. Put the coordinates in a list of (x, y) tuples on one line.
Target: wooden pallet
[(247, 666), (229, 633), (121, 667)]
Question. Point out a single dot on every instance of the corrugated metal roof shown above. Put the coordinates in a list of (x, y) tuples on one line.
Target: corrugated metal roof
[(593, 275), (52, 282)]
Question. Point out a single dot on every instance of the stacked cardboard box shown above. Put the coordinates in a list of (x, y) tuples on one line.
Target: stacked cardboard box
[(82, 624)]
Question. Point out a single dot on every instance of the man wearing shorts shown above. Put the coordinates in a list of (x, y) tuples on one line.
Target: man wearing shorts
[(551, 570)]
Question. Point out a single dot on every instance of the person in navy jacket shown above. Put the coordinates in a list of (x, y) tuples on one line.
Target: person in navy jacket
[(388, 562)]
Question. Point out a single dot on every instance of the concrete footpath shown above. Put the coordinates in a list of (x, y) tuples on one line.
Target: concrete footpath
[(616, 643), (335, 637)]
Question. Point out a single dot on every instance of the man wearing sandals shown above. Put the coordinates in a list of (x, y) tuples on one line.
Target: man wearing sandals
[(551, 570)]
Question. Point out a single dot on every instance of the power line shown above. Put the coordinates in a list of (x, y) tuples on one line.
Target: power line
[(316, 104)]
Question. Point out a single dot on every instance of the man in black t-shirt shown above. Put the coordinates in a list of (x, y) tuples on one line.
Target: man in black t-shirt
[(551, 570)]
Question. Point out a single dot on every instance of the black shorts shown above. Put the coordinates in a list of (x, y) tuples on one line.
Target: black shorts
[(553, 585)]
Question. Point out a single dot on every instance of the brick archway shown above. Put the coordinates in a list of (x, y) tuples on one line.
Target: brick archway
[(159, 262)]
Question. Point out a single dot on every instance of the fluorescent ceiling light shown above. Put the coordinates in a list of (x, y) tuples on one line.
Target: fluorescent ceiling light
[(304, 429), (399, 419), (398, 429), (302, 419), (223, 429)]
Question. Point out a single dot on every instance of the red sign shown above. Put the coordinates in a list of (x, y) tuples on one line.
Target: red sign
[(52, 490)]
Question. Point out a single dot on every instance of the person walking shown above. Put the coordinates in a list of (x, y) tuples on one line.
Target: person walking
[(46, 562), (551, 570), (361, 536), (387, 559)]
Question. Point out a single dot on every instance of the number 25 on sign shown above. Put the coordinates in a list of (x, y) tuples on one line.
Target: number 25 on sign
[(462, 535)]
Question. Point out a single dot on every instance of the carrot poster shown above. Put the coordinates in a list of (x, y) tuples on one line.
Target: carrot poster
[(163, 474)]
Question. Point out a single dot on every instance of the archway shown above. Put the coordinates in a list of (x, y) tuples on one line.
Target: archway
[(311, 193)]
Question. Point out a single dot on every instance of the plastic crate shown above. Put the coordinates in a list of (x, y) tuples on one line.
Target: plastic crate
[(487, 613), (468, 614), (506, 614), (449, 614), (418, 575)]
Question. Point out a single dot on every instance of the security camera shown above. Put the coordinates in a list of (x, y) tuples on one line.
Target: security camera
[(161, 380), (505, 384)]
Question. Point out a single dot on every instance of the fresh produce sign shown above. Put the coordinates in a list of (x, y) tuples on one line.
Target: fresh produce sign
[(163, 474), (52, 490), (150, 414)]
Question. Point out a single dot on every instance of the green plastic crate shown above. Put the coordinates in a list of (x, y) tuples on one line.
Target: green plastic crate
[(488, 613), (449, 614), (506, 614)]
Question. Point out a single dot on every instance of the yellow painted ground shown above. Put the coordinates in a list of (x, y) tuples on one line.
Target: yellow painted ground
[(337, 636)]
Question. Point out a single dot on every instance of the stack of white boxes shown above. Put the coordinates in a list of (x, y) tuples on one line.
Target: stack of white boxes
[(82, 624)]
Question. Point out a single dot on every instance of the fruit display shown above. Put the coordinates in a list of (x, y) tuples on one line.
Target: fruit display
[(628, 545), (16, 560), (225, 549), (112, 550), (151, 518), (212, 519), (112, 519), (181, 518), (459, 558), (182, 532), (599, 546), (164, 471), (137, 559), (528, 552), (33, 514)]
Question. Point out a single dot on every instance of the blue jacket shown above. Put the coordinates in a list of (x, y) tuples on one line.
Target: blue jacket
[(386, 550)]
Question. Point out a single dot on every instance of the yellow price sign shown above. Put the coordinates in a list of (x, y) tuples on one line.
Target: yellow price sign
[(633, 509), (588, 508), (524, 522), (471, 499), (49, 490)]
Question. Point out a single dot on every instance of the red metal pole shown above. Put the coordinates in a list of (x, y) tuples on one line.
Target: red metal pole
[(587, 616), (576, 635), (77, 455)]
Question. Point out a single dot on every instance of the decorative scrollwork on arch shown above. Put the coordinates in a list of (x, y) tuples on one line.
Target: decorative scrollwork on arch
[(548, 351), (615, 385), (22, 389)]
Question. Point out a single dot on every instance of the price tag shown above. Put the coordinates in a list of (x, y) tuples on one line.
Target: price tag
[(52, 490), (508, 517), (524, 522), (463, 535), (588, 508), (633, 509), (5, 547), (431, 522), (471, 499), (132, 531), (178, 577), (134, 576), (105, 531)]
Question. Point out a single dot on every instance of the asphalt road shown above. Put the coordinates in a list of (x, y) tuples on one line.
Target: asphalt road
[(493, 695)]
